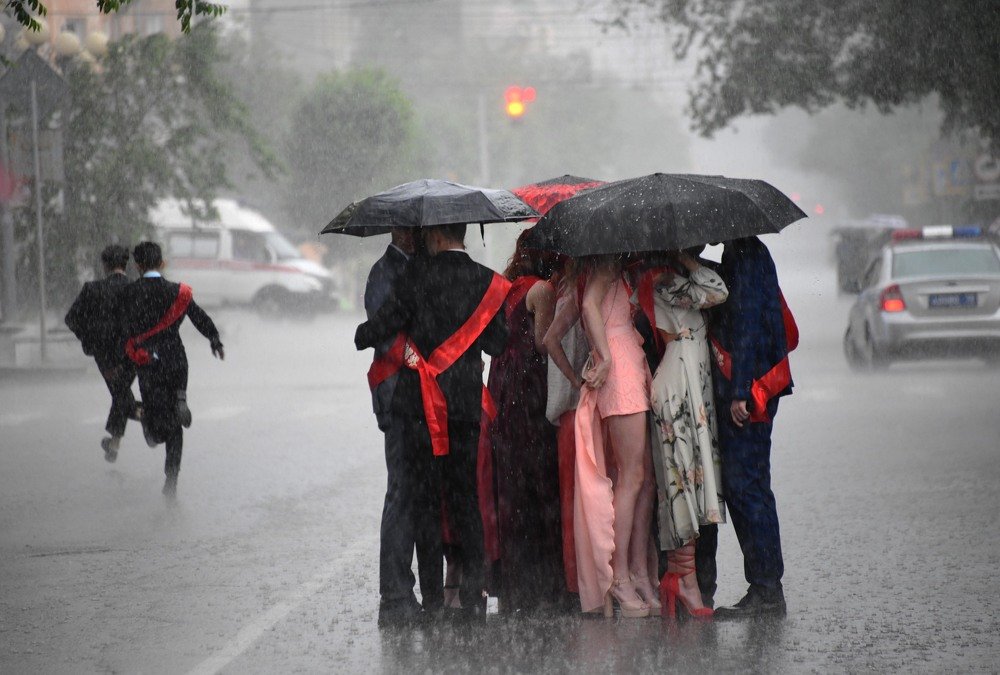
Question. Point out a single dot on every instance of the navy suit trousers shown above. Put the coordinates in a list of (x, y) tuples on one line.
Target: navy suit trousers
[(746, 485)]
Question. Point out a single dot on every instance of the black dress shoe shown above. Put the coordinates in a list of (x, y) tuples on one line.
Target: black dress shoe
[(170, 488), (110, 446), (399, 614), (756, 603), (464, 615)]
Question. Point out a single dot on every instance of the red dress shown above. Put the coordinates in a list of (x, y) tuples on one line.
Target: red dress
[(525, 465)]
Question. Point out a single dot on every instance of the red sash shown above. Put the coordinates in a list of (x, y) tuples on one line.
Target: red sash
[(404, 352), (140, 356), (775, 380), (646, 303)]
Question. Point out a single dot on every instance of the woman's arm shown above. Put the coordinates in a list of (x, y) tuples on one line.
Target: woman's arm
[(597, 288), (567, 313), (541, 301)]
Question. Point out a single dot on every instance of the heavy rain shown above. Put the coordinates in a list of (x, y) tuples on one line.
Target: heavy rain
[(224, 476)]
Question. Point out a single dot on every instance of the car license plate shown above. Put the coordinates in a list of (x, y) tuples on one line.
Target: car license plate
[(953, 300)]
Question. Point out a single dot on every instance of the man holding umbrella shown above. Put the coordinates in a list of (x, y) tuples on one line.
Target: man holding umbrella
[(447, 307), (441, 315), (396, 533)]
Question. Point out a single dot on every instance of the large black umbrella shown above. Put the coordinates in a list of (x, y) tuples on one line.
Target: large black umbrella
[(662, 212), (428, 202)]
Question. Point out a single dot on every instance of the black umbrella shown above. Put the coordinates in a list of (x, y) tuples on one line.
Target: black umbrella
[(662, 212), (428, 202)]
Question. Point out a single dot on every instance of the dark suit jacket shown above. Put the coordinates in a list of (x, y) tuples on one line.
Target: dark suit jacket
[(143, 304), (93, 318), (380, 282), (430, 302), (749, 324)]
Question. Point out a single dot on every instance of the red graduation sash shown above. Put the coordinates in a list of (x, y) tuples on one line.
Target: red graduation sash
[(404, 352), (773, 381), (647, 284), (139, 355)]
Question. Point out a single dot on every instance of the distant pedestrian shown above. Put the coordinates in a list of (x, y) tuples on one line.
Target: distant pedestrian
[(751, 335), (93, 319), (152, 311)]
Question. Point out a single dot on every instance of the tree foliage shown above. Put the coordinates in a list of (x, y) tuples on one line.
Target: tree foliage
[(25, 11), (351, 135), (151, 122), (760, 56)]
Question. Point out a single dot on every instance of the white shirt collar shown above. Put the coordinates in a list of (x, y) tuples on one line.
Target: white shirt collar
[(152, 274), (456, 250), (401, 251)]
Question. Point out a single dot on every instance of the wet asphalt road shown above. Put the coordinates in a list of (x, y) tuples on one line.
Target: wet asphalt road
[(887, 488)]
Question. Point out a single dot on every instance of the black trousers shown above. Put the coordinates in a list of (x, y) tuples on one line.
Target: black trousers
[(118, 376), (397, 538), (450, 480), (159, 383)]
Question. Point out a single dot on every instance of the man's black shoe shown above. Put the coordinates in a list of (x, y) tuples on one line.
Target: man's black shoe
[(170, 488), (110, 446), (465, 615), (400, 614), (755, 604)]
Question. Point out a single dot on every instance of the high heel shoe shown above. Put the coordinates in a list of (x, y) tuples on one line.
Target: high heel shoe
[(647, 593), (630, 609), (670, 586)]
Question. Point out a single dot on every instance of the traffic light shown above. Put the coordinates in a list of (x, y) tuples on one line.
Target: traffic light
[(517, 99)]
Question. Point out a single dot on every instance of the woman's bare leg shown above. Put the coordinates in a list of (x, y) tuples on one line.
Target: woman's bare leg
[(642, 526), (628, 439)]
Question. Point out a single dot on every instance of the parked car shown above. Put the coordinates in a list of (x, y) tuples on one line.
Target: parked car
[(932, 292), (241, 259)]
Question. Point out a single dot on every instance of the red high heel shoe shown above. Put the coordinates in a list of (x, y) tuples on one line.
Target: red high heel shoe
[(670, 593)]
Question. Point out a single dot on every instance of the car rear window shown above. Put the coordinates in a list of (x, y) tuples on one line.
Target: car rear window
[(944, 261)]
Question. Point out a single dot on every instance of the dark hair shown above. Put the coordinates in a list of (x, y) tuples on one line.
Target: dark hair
[(114, 257), (147, 255), (455, 232), (527, 261)]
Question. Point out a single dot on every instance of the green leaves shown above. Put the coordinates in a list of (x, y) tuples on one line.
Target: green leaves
[(25, 10), (351, 135), (758, 57)]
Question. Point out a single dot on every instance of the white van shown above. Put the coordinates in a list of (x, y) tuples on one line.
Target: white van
[(240, 259)]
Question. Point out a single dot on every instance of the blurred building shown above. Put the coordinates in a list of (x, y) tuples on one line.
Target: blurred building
[(81, 18)]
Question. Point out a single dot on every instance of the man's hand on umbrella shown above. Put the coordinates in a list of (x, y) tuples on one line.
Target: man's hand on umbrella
[(738, 411)]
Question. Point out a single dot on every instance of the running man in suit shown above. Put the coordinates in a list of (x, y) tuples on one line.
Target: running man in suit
[(152, 310), (93, 319)]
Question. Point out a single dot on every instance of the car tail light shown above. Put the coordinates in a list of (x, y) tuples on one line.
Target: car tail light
[(892, 299)]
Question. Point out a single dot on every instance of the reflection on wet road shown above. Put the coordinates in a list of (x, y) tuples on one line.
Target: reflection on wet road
[(887, 488)]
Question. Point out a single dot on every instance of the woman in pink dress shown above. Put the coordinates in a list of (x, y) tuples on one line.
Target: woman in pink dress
[(613, 501)]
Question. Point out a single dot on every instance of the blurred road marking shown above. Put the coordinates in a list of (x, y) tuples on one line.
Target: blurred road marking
[(923, 390), (14, 419), (821, 394), (222, 412), (265, 621)]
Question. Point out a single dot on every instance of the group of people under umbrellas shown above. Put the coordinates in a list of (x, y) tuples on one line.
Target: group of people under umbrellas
[(542, 486)]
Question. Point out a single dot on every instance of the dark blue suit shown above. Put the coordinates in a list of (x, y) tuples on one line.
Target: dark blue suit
[(749, 325), (397, 530)]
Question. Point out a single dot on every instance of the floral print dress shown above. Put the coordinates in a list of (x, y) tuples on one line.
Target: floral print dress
[(685, 436)]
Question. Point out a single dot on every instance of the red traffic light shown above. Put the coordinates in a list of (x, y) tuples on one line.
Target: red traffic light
[(516, 99)]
